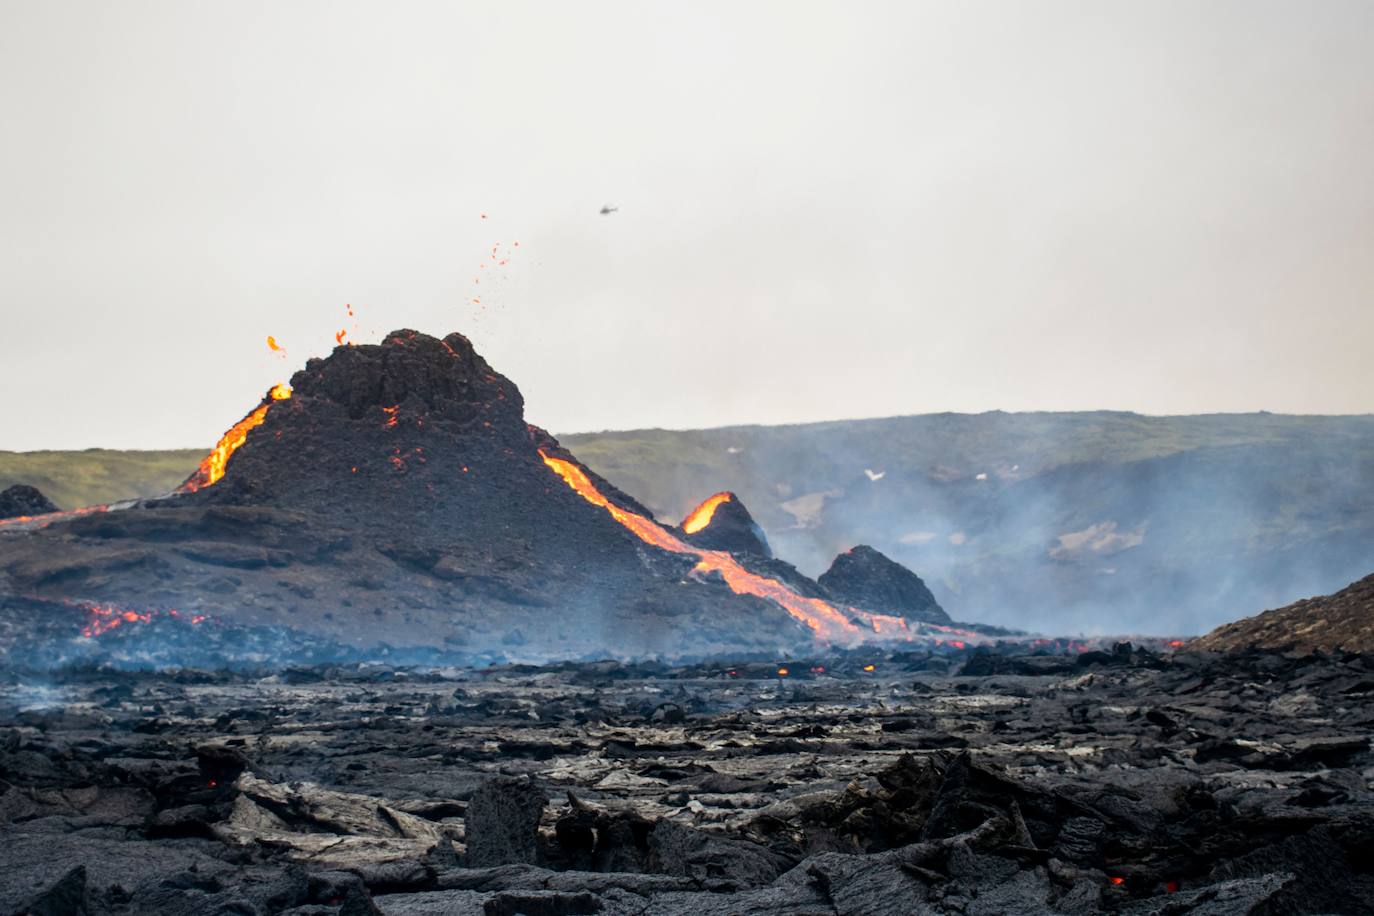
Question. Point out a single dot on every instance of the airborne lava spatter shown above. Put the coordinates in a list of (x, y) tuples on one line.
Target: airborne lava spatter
[(701, 516), (212, 466)]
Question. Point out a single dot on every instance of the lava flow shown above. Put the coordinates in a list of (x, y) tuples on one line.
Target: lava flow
[(701, 516), (40, 521), (823, 618), (212, 466)]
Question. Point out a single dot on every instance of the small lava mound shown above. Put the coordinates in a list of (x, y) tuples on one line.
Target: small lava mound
[(1340, 622), (23, 500), (723, 523), (866, 578)]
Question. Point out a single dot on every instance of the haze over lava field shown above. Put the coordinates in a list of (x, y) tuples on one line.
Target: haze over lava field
[(1063, 522)]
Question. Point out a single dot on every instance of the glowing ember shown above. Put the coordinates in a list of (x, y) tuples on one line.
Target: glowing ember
[(823, 618), (782, 672), (212, 466), (701, 516), (272, 344), (106, 617)]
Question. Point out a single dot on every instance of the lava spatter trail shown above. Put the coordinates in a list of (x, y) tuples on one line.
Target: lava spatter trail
[(212, 466), (701, 516), (823, 618)]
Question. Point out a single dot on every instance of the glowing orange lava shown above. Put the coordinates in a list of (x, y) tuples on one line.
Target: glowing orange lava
[(701, 516), (105, 617), (824, 619), (212, 466), (42, 521)]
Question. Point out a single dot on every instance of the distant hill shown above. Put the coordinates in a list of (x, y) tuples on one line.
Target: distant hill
[(98, 475), (1101, 522), (1094, 521)]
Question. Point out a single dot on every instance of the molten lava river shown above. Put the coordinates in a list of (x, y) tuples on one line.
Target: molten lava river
[(828, 622)]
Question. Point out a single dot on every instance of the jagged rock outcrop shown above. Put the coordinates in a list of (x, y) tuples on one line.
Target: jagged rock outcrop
[(1340, 622), (21, 499), (865, 578)]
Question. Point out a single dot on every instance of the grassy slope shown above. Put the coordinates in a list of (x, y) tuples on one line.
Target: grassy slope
[(85, 478), (671, 469)]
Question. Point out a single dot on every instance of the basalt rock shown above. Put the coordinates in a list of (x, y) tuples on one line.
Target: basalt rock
[(503, 823), (1208, 783), (1340, 622), (22, 499), (866, 578)]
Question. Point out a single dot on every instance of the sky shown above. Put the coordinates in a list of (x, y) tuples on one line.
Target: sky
[(825, 210)]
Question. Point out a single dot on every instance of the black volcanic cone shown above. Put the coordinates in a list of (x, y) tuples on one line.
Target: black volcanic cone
[(866, 578), (399, 497), (22, 499), (731, 528)]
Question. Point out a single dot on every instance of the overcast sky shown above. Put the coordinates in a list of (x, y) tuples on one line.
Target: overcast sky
[(826, 209)]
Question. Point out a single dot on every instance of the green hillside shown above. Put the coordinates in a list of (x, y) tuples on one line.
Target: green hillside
[(98, 475)]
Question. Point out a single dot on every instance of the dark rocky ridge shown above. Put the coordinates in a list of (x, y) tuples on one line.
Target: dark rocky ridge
[(398, 497), (863, 577), (22, 499), (1340, 622)]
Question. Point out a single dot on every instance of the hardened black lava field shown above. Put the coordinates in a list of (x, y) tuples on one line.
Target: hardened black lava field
[(1122, 781)]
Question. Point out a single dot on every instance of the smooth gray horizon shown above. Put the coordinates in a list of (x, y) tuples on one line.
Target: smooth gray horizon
[(826, 210)]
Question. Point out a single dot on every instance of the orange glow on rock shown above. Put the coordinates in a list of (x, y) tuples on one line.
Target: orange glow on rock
[(106, 617), (701, 516), (212, 465), (824, 619)]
